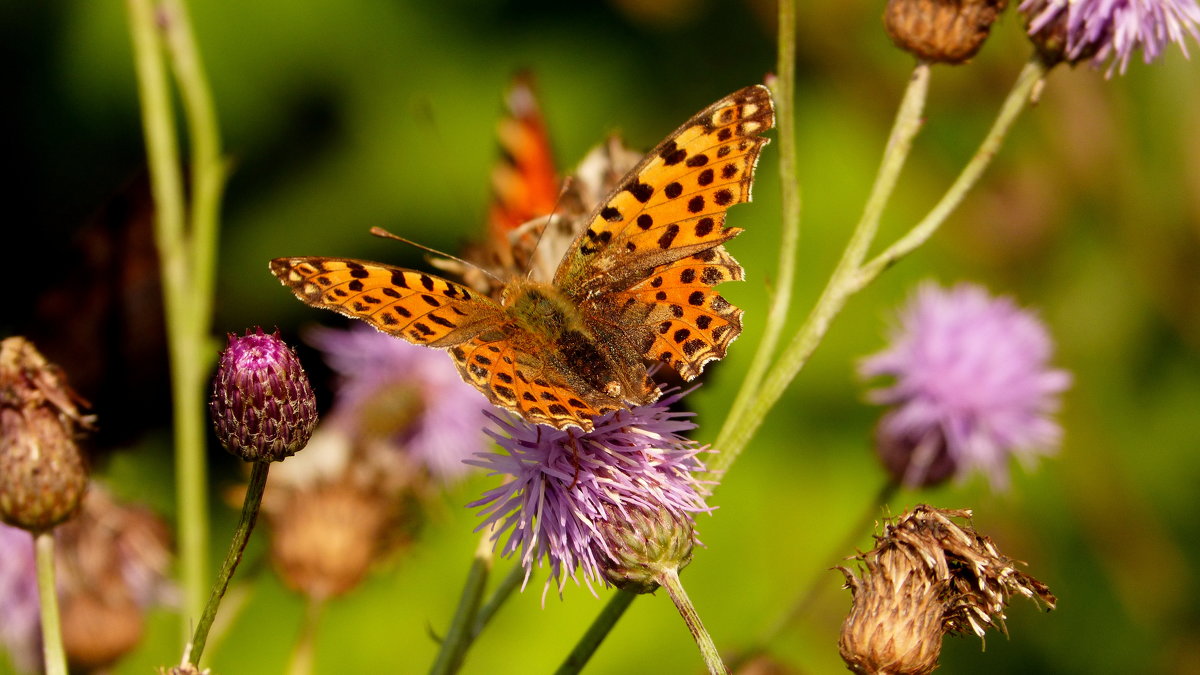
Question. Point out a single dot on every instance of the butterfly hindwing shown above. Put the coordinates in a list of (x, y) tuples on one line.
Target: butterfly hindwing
[(422, 308)]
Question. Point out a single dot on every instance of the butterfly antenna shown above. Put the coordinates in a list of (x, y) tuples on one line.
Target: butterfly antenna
[(562, 192), (382, 233)]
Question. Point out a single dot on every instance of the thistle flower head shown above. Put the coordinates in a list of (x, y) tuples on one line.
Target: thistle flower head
[(566, 486), (262, 405), (1109, 31), (941, 31), (927, 576), (972, 387), (42, 472), (404, 398)]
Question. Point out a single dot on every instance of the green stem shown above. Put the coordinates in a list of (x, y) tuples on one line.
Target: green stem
[(185, 333), (590, 642), (669, 579), (1020, 96), (208, 171), (784, 88), (510, 583), (250, 508), (304, 651), (736, 433), (459, 636), (52, 642)]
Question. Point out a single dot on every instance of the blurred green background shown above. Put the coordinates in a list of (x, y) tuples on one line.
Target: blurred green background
[(339, 116)]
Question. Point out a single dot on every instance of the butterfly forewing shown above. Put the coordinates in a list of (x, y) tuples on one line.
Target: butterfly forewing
[(421, 308), (665, 225)]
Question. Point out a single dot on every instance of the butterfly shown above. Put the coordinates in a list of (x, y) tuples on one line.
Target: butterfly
[(635, 286)]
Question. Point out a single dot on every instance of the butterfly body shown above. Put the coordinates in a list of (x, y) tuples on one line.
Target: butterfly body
[(635, 286)]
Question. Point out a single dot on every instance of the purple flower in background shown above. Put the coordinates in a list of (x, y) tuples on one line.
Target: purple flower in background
[(972, 386), (1101, 30), (409, 398), (20, 634), (565, 483)]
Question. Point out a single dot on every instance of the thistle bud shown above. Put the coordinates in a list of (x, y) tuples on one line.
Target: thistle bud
[(941, 31), (262, 405), (642, 542), (42, 473), (927, 576)]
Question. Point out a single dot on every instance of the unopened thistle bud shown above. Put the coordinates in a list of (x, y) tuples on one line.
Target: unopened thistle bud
[(262, 405), (927, 576), (941, 31), (641, 543), (42, 473)]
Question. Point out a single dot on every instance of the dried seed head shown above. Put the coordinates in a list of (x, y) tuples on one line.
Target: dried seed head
[(941, 31), (262, 405), (927, 576), (637, 543), (325, 539), (42, 472)]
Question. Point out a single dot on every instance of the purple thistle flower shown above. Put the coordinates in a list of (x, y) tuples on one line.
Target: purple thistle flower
[(972, 386), (1111, 29), (409, 397), (565, 483), (20, 633)]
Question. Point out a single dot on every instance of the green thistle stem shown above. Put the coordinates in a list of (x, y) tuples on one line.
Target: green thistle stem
[(462, 627), (784, 94), (1018, 98), (250, 508), (737, 431), (186, 255), (590, 642), (669, 579), (502, 593), (52, 642)]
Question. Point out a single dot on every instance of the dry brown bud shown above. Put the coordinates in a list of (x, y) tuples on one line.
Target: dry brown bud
[(941, 31), (927, 576), (325, 539), (42, 473)]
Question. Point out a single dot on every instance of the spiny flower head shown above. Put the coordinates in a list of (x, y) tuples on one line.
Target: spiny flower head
[(972, 386), (403, 397), (1109, 30), (565, 485), (262, 405), (927, 576)]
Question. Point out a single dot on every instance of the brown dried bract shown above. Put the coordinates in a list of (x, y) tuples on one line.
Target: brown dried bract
[(927, 576)]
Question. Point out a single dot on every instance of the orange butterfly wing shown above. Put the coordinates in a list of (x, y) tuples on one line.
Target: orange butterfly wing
[(653, 249), (421, 308)]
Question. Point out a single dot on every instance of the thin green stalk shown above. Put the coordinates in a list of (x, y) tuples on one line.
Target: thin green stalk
[(207, 168), (590, 642), (1018, 98), (669, 579), (52, 642), (185, 346), (250, 508), (304, 651), (459, 636), (736, 433), (510, 583), (784, 88)]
